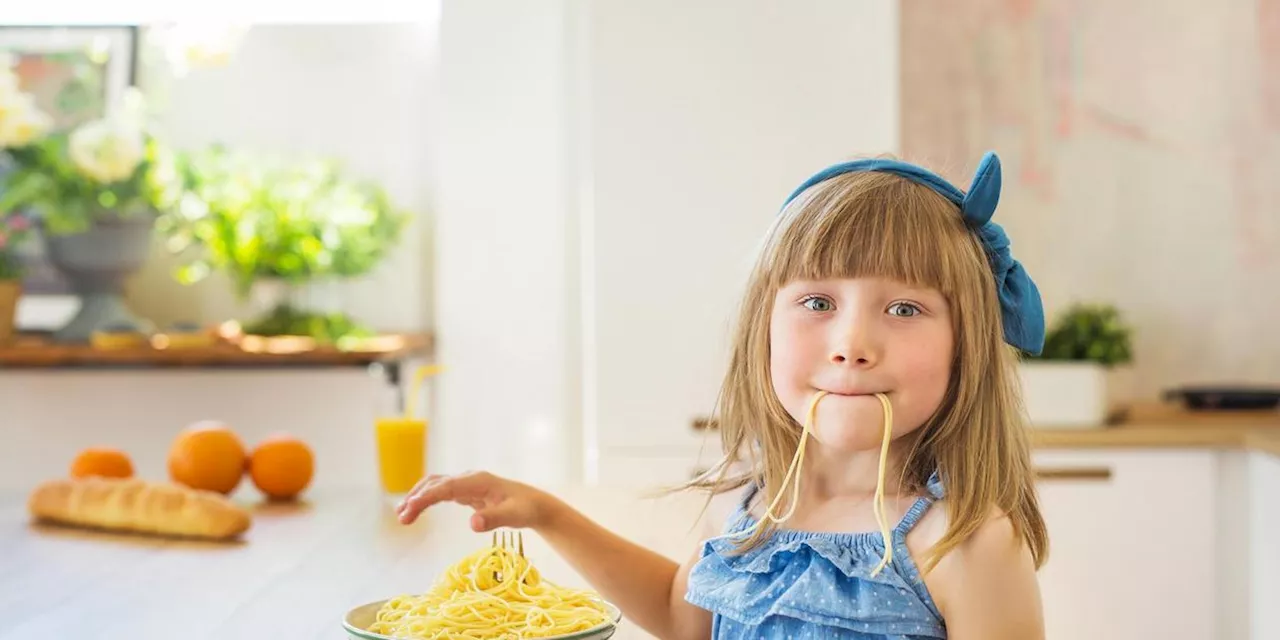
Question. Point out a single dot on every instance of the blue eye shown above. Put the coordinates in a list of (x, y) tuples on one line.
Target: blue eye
[(817, 303), (904, 310)]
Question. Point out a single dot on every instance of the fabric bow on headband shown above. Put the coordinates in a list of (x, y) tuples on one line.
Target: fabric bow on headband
[(1021, 309)]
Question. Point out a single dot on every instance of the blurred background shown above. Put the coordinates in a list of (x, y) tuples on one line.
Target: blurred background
[(557, 203)]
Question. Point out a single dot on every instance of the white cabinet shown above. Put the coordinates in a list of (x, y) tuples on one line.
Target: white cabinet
[(1132, 544), (1252, 612)]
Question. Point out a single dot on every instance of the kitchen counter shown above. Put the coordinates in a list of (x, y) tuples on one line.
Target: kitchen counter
[(1261, 439), (1158, 426), (301, 567), (296, 573)]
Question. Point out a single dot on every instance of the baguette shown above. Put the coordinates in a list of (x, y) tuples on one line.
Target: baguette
[(138, 506)]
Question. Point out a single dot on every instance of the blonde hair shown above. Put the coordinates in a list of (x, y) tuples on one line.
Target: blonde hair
[(880, 224)]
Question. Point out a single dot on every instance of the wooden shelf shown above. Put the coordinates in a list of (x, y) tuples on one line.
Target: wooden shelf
[(245, 351), (1164, 425)]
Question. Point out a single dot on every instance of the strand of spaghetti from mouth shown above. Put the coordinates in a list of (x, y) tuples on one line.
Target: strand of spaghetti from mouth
[(878, 506), (797, 462)]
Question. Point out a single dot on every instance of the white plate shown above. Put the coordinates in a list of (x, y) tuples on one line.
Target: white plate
[(357, 623)]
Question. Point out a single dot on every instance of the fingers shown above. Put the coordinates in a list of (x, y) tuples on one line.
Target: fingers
[(414, 502), (465, 489), (402, 508), (503, 514), (420, 485)]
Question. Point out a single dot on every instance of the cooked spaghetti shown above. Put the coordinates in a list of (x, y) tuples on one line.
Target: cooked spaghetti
[(797, 462), (492, 594)]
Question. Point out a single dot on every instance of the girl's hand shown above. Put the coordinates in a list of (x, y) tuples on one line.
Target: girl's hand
[(497, 502)]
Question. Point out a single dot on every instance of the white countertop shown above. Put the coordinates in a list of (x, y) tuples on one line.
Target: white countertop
[(298, 570)]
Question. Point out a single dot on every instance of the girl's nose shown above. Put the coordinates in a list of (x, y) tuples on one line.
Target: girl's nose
[(855, 344)]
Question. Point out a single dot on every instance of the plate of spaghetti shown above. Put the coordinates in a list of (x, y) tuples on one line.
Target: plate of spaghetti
[(492, 594)]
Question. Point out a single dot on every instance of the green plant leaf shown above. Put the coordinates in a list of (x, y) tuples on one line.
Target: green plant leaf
[(261, 217), (1089, 332)]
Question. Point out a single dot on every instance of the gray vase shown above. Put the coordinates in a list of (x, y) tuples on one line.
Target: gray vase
[(96, 264)]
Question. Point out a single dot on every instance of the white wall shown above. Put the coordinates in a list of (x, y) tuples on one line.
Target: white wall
[(49, 416), (591, 152), (359, 93), (506, 263), (700, 126)]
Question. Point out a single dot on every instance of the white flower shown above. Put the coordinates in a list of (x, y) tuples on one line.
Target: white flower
[(107, 150), (21, 121)]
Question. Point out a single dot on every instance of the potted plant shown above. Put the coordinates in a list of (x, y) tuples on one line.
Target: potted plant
[(93, 192), (14, 229), (279, 228), (1076, 380)]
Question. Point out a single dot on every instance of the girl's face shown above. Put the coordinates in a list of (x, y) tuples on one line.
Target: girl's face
[(854, 337)]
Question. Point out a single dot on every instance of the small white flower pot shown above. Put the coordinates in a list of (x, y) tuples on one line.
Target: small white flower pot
[(319, 296), (1068, 395)]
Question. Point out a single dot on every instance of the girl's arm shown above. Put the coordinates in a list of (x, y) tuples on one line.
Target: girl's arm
[(986, 588), (648, 587)]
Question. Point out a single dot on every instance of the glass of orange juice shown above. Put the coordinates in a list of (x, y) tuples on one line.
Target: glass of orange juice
[(402, 441), (402, 450)]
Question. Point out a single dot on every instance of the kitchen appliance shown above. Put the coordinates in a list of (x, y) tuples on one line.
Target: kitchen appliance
[(1225, 397)]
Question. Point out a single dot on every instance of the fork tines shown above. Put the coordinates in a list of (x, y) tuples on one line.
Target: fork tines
[(513, 540)]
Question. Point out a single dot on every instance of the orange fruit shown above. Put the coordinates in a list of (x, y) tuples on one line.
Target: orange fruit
[(281, 466), (207, 455), (102, 461)]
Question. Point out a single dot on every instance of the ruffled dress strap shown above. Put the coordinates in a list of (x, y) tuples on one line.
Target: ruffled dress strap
[(933, 493)]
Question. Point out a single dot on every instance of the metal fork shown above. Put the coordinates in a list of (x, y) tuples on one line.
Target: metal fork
[(510, 540)]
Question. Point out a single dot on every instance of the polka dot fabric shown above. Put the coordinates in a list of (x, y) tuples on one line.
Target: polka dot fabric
[(804, 585)]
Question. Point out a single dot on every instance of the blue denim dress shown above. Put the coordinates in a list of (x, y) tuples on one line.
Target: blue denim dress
[(802, 585)]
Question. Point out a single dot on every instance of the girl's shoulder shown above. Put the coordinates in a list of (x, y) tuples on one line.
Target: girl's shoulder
[(995, 528), (993, 565)]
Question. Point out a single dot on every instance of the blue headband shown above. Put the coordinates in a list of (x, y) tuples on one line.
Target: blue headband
[(1021, 309)]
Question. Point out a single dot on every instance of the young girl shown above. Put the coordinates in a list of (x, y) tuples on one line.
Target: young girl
[(877, 469)]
